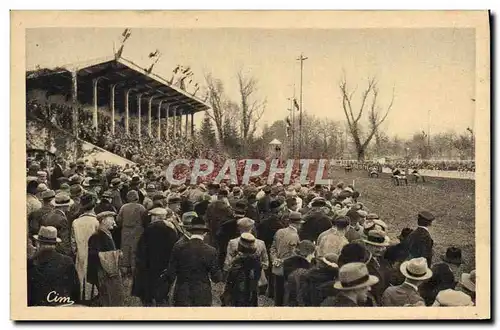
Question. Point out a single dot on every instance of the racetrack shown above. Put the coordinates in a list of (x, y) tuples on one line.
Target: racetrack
[(452, 201)]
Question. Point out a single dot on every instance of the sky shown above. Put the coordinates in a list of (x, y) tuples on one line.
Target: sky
[(432, 71)]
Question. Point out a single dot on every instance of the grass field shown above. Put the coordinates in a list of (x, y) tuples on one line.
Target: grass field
[(452, 201)]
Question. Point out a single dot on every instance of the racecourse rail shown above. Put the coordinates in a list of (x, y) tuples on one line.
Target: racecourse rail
[(467, 175)]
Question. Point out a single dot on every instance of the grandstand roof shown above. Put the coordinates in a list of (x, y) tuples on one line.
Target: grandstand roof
[(113, 70)]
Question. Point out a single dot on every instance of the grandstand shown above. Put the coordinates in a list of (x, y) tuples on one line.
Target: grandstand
[(124, 90)]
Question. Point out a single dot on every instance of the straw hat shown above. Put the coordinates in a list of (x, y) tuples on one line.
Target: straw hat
[(416, 269), (468, 281), (377, 238), (62, 199), (354, 275), (452, 298)]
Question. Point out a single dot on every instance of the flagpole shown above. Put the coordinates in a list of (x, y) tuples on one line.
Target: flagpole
[(292, 108), (301, 59)]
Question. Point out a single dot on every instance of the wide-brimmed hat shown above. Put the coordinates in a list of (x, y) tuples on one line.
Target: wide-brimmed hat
[(41, 188), (318, 202), (416, 269), (132, 196), (158, 211), (197, 223), (245, 223), (150, 188), (452, 298), (115, 182), (468, 281), (62, 199), (47, 235), (75, 179), (240, 208), (136, 179), (453, 255), (377, 238), (48, 194), (295, 217), (354, 276)]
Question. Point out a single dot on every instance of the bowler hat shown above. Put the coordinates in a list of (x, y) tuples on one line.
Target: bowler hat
[(318, 202), (87, 201), (197, 223), (47, 235), (453, 255)]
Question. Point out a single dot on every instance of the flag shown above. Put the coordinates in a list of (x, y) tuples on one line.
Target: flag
[(296, 104), (156, 53)]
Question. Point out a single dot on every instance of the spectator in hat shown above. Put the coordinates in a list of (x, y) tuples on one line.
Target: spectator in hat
[(135, 184), (442, 279), (114, 189), (420, 242), (376, 243), (57, 172), (416, 272), (217, 213), (354, 283), (252, 210), (338, 189), (453, 258), (193, 265), (153, 254), (106, 204), (333, 239), (40, 189), (264, 203), (354, 232), (452, 298), (468, 284), (130, 218), (316, 284), (241, 287), (63, 187), (283, 246), (103, 259), (148, 198), (49, 271), (36, 217), (82, 228), (57, 218), (32, 202), (293, 268), (240, 209)]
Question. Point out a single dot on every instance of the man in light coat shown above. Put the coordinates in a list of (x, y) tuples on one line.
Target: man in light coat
[(82, 228), (283, 246), (333, 240)]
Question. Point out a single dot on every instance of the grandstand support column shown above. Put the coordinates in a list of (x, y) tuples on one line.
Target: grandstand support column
[(192, 124), (74, 100), (159, 120), (166, 120), (126, 110), (112, 102), (175, 122), (186, 128), (139, 99), (94, 114), (149, 115)]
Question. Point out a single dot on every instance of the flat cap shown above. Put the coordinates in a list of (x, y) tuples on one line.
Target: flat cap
[(105, 214), (426, 215), (245, 223)]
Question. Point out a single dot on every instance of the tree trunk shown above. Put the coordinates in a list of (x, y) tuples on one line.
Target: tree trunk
[(361, 154)]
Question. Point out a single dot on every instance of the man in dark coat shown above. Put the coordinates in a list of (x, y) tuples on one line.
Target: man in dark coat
[(152, 258), (316, 221), (226, 232), (192, 265), (217, 213), (420, 242), (316, 284), (264, 204), (52, 277), (376, 242), (293, 268), (57, 172), (35, 218)]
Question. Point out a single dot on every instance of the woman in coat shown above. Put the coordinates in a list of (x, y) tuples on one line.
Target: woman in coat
[(103, 257)]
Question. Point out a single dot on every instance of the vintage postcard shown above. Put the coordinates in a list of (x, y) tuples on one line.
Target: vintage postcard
[(288, 163)]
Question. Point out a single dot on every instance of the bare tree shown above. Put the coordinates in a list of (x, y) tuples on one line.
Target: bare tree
[(251, 108), (217, 100), (375, 114)]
